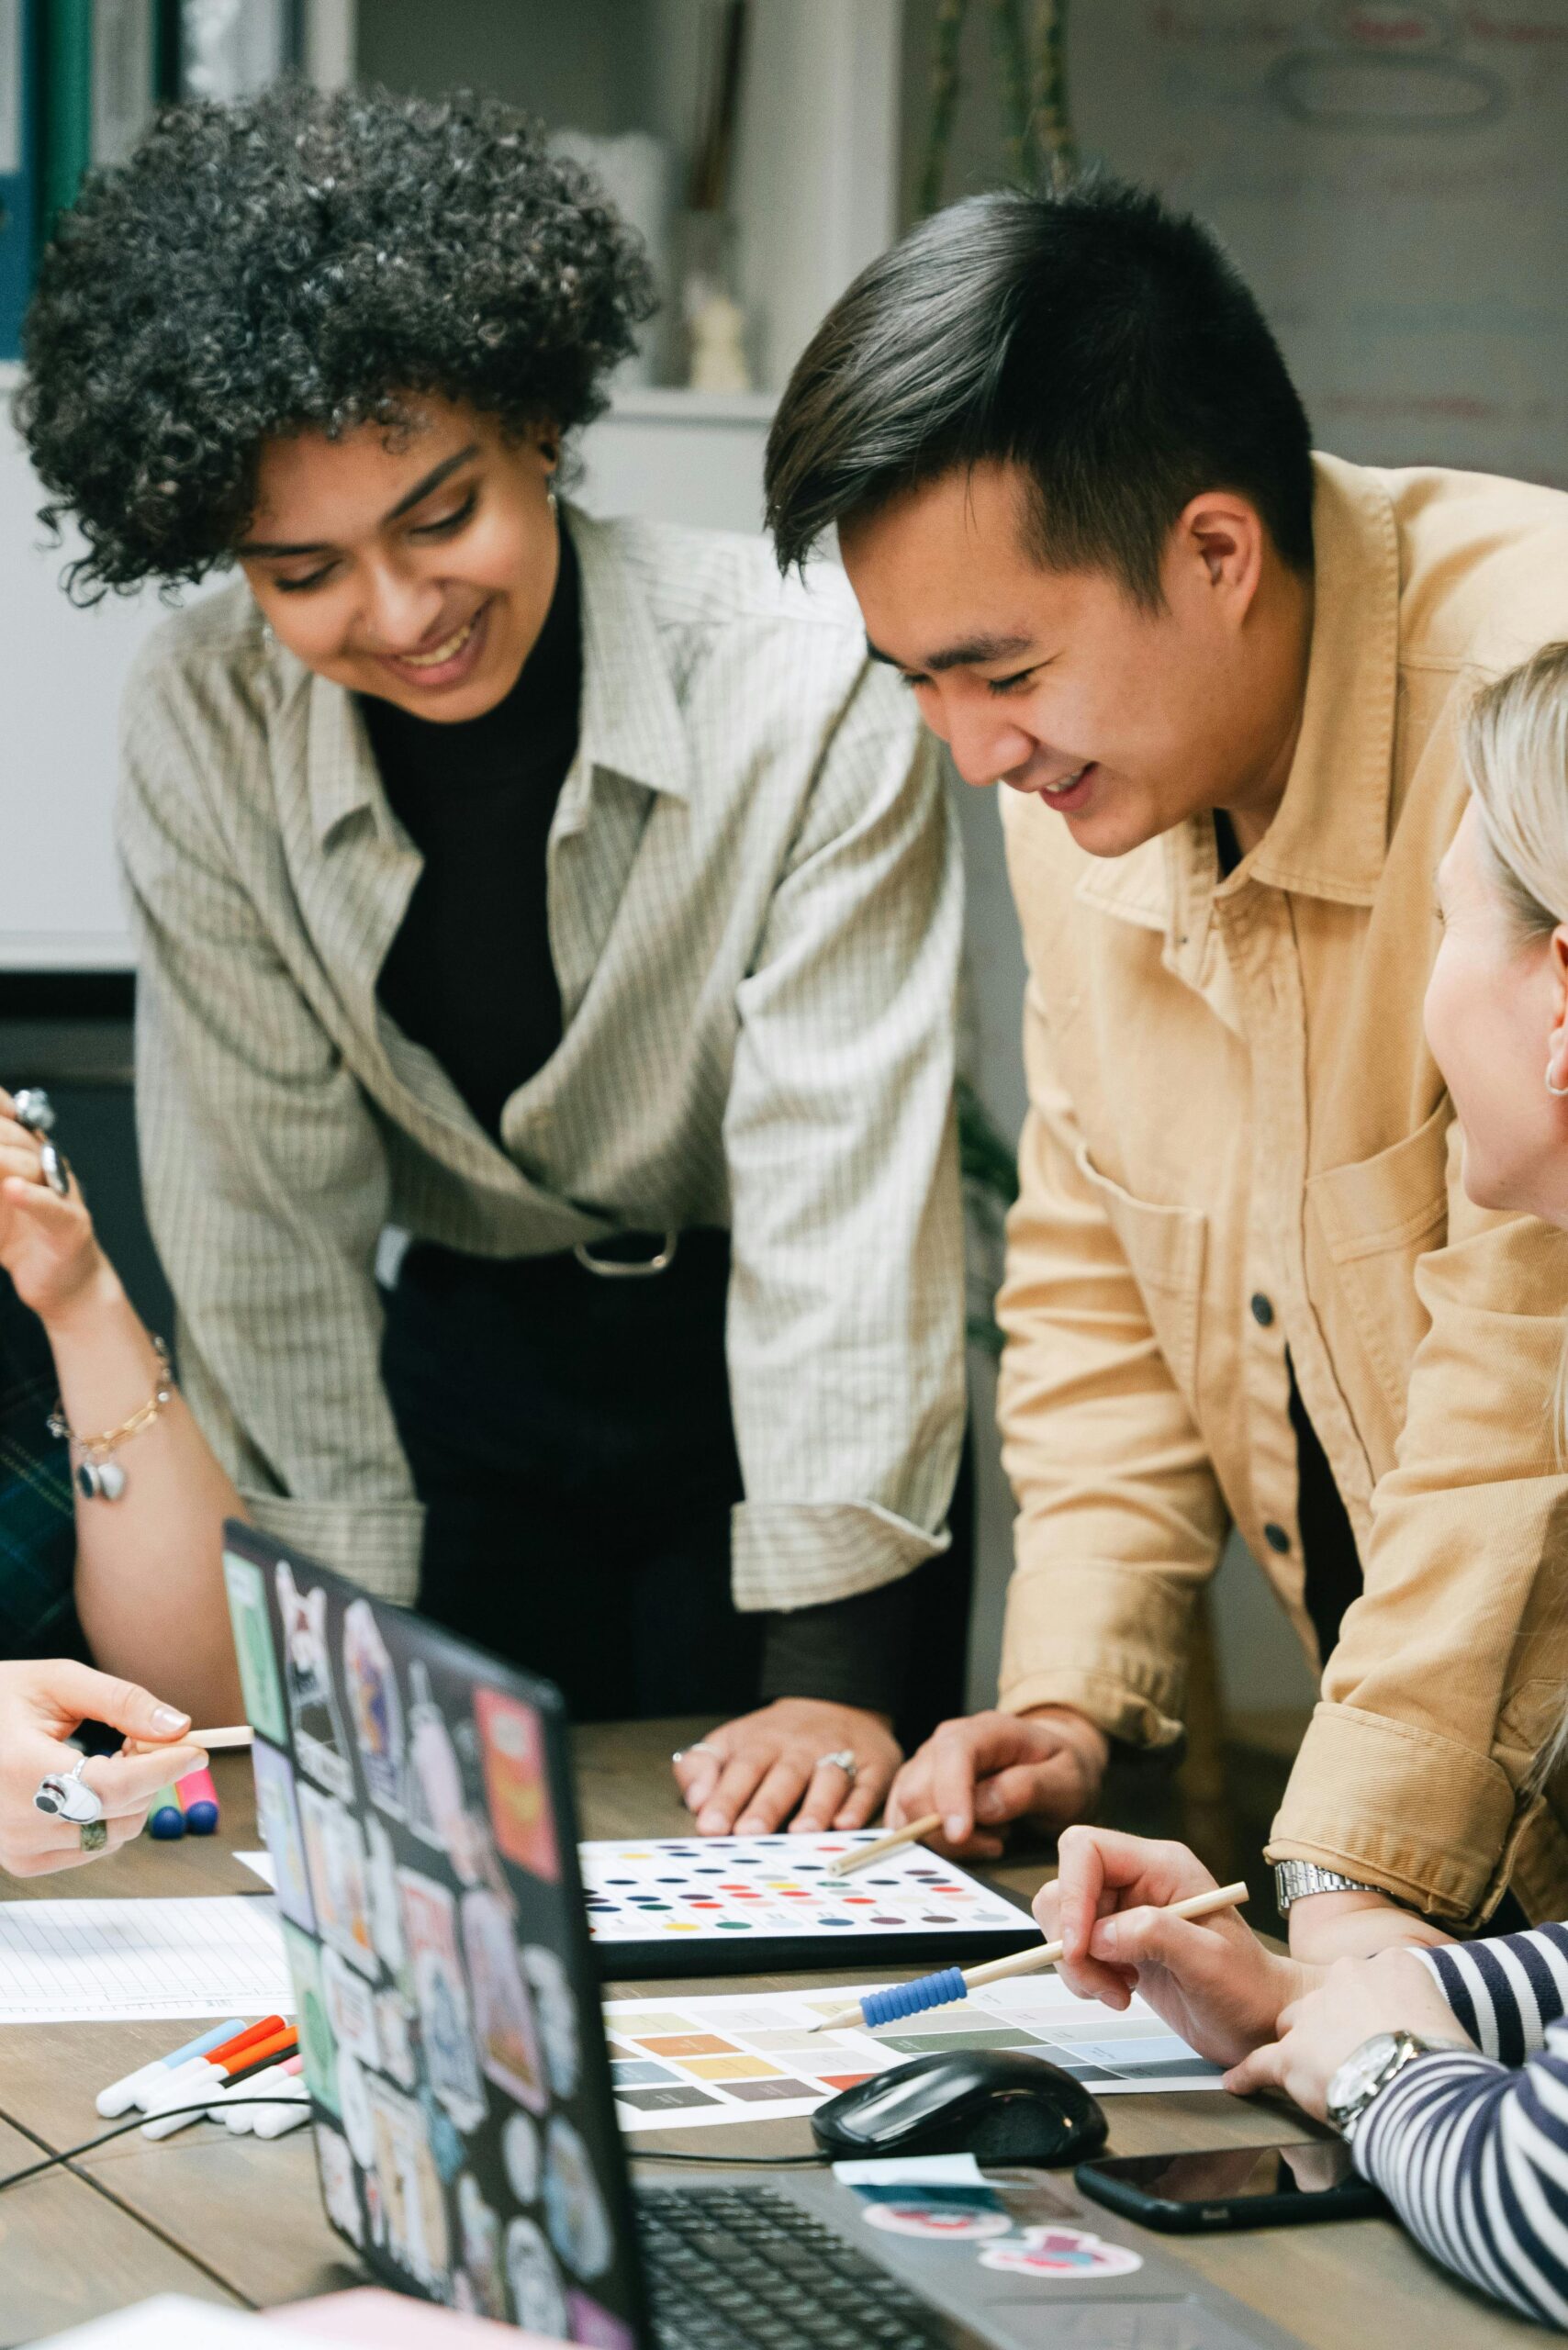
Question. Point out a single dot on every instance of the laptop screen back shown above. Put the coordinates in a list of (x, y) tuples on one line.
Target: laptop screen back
[(415, 1794)]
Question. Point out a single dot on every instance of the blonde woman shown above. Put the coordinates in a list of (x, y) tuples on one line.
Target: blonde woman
[(108, 1547), (1446, 2069)]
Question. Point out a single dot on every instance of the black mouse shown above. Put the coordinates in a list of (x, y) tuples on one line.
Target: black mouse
[(999, 2104)]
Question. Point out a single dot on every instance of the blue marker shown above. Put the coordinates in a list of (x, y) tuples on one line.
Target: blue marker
[(165, 1819), (120, 2096)]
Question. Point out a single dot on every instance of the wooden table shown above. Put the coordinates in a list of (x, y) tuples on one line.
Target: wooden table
[(237, 2220)]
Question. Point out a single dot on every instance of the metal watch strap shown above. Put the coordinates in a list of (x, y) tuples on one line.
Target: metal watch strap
[(1294, 1880), (1346, 2111)]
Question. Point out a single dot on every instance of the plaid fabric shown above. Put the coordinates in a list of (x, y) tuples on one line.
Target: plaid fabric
[(38, 1525)]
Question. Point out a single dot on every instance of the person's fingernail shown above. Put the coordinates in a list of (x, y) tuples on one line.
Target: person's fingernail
[(1106, 1938), (167, 1722), (955, 1828)]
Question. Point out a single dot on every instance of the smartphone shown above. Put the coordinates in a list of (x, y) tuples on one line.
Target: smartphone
[(1233, 2186)]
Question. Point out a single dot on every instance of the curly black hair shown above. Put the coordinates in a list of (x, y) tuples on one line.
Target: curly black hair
[(297, 263)]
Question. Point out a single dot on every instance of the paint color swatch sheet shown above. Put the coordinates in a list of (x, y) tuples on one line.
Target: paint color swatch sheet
[(677, 2063), (707, 1903), (124, 1962)]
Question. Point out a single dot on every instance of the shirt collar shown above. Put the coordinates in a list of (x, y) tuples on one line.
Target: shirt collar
[(632, 723)]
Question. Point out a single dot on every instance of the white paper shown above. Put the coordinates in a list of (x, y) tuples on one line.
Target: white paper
[(689, 2063), (911, 2170), (260, 1865), (127, 1962)]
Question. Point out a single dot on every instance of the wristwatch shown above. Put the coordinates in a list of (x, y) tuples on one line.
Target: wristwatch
[(1293, 1880), (1368, 2070)]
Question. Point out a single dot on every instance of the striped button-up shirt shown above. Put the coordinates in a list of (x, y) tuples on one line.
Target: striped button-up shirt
[(755, 911)]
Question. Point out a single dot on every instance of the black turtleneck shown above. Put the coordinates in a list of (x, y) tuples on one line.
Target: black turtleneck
[(469, 975)]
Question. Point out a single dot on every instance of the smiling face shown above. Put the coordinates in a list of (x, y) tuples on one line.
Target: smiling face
[(416, 565), (1123, 721), (1495, 1014)]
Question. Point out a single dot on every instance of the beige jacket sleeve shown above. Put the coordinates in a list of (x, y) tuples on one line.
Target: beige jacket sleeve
[(1120, 1518), (1449, 1677), (266, 1177)]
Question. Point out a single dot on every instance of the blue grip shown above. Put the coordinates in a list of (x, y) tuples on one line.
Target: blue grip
[(909, 1998)]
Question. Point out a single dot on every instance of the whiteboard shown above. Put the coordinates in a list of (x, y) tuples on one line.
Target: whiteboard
[(670, 456)]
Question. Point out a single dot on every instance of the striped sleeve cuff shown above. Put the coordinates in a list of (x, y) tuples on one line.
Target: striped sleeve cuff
[(1507, 1990), (800, 1554)]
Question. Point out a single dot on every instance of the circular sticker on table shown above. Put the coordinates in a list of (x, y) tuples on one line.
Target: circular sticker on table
[(574, 2208), (520, 2154), (538, 2303), (929, 2217), (1062, 2253)]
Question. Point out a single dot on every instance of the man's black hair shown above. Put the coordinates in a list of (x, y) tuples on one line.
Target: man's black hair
[(1105, 345)]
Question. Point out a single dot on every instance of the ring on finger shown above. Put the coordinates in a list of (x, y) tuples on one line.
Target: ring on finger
[(65, 1795), (94, 1834), (841, 1759), (701, 1747)]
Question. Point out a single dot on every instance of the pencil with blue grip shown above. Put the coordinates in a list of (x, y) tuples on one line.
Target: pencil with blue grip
[(953, 1983)]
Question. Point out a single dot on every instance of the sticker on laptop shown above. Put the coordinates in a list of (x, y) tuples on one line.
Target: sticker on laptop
[(437, 1810), (1065, 2253), (520, 2156), (354, 2100), (538, 2300), (334, 1855), (351, 2009), (277, 1818), (338, 2191), (440, 2134), (320, 1742), (596, 2327), (511, 1741), (393, 2030), (940, 2219), (574, 2208), (259, 1684), (318, 2042), (479, 2285), (417, 2237), (558, 2012), (375, 1706), (386, 1919), (430, 1930)]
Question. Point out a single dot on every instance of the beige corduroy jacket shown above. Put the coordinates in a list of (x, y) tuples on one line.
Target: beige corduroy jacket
[(1239, 1149)]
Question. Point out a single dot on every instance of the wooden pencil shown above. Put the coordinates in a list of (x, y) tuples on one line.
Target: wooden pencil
[(915, 1833)]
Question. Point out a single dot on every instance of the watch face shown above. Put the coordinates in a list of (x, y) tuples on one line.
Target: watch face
[(1360, 2070)]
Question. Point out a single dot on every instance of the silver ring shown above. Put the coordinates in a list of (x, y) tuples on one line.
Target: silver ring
[(701, 1747), (95, 1835), (65, 1795), (842, 1759)]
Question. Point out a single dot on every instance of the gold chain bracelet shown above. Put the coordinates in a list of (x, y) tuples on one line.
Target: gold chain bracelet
[(99, 1448)]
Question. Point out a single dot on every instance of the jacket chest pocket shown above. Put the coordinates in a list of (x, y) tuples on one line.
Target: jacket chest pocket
[(1375, 1219), (1164, 1249)]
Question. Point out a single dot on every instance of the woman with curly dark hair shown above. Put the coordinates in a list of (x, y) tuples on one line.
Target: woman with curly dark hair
[(568, 895)]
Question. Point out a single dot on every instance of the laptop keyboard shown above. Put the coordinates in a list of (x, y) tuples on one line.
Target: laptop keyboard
[(733, 2268)]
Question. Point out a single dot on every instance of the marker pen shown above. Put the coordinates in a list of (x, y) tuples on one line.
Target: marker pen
[(186, 2085), (120, 2096), (198, 1800), (231, 2108), (164, 1818)]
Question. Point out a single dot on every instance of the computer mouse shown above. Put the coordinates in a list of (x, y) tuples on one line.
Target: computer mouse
[(999, 2104)]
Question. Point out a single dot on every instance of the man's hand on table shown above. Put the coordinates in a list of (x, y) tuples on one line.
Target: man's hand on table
[(1354, 2001), (985, 1770), (1329, 1926), (1210, 1979), (766, 1770)]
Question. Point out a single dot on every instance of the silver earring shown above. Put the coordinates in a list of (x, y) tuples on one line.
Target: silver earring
[(555, 507), (1561, 1091)]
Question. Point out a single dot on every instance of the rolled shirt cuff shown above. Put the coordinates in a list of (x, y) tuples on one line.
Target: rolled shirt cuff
[(801, 1554), (375, 1544), (1101, 1638)]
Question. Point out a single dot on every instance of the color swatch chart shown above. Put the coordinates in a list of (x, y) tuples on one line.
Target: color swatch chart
[(679, 2063), (770, 1886)]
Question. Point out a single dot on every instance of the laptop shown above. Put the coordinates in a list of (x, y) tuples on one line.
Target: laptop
[(416, 1795)]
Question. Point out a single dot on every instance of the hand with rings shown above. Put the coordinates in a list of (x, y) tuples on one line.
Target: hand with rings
[(58, 1808), (799, 1764), (47, 1242)]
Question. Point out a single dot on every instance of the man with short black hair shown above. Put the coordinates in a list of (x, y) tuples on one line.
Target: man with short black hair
[(1076, 498)]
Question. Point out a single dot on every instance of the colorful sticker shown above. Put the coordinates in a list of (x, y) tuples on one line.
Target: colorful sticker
[(516, 1787), (481, 2233), (538, 2303), (386, 1924), (557, 2013), (253, 1647), (338, 2189), (351, 2010), (441, 2136), (278, 1818), (430, 1930), (1062, 2253), (938, 2218), (319, 1745), (334, 1854), (377, 1708), (317, 2043), (415, 2209), (503, 2012), (394, 2022), (598, 2327), (437, 1811), (574, 2208), (520, 2156), (353, 2098)]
